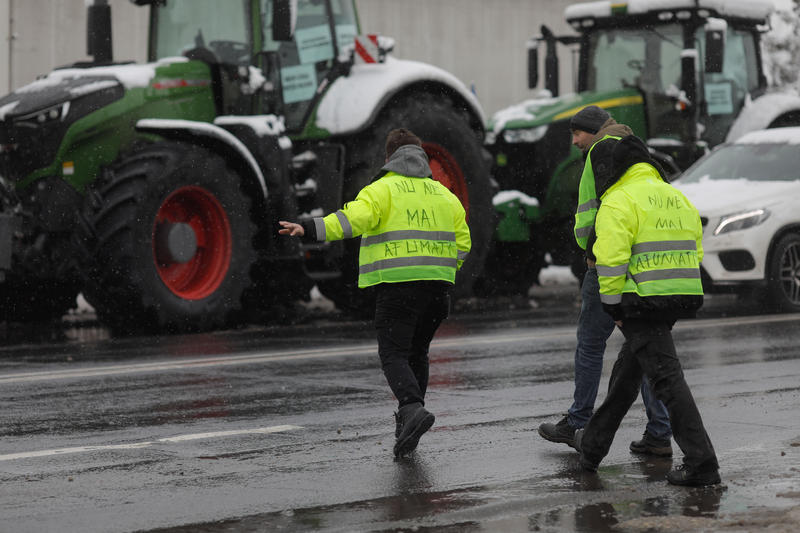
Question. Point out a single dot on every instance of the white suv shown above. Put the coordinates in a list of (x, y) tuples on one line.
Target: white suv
[(748, 196)]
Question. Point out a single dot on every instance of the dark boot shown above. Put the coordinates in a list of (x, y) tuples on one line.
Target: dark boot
[(683, 475), (561, 431), (413, 422), (649, 445)]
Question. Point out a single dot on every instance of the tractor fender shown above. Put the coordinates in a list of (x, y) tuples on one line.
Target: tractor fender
[(206, 133), (762, 112), (353, 102)]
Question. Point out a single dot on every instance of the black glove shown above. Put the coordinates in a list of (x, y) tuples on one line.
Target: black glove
[(615, 310)]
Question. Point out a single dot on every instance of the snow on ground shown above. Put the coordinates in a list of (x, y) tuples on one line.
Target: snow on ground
[(557, 275)]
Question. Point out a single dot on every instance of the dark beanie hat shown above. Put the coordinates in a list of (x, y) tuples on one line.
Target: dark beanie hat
[(589, 119)]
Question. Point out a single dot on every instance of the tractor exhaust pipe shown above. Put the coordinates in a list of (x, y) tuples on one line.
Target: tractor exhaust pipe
[(98, 31)]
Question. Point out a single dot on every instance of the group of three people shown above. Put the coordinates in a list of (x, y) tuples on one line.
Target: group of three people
[(412, 262)]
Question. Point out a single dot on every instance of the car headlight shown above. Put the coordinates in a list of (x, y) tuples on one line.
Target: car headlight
[(526, 135), (744, 220), (490, 137)]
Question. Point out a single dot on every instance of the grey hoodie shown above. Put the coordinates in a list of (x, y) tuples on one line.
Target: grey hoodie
[(408, 160)]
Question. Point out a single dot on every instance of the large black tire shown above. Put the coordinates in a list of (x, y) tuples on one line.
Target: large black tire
[(783, 275), (135, 280), (457, 160)]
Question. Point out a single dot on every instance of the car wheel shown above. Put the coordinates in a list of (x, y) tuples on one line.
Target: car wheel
[(783, 276)]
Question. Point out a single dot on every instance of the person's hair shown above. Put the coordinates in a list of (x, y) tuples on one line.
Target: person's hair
[(400, 137)]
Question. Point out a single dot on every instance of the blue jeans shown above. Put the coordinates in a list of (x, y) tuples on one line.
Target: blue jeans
[(595, 326)]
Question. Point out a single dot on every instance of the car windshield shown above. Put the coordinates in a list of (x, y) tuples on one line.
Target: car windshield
[(755, 162)]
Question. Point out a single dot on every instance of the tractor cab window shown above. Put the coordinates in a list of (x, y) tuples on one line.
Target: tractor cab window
[(219, 26), (307, 59), (723, 94), (645, 58)]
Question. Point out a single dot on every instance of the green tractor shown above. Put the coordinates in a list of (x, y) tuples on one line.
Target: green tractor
[(685, 76), (155, 189)]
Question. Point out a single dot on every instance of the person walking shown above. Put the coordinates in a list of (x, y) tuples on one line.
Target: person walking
[(648, 248), (594, 131), (414, 237)]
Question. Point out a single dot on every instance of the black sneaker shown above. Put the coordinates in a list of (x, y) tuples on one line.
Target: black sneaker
[(413, 422), (562, 432), (649, 445), (683, 475)]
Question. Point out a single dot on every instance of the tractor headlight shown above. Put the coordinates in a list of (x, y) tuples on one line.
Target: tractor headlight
[(743, 220), (524, 135), (57, 112)]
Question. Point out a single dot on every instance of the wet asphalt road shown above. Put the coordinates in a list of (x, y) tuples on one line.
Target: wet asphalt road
[(291, 429)]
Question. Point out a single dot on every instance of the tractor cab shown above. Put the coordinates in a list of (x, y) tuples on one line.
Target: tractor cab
[(694, 67), (259, 46)]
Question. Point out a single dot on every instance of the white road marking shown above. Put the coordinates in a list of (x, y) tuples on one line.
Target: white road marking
[(27, 377), (349, 350), (136, 445)]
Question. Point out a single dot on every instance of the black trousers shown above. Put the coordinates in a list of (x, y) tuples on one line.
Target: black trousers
[(406, 317), (649, 350)]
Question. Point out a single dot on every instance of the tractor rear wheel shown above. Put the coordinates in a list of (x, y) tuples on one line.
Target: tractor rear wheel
[(171, 242), (455, 152)]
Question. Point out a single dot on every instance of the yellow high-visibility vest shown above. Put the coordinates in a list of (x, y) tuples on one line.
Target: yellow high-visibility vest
[(588, 203), (411, 229), (649, 238)]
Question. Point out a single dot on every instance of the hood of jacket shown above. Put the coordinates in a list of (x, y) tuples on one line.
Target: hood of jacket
[(625, 153), (609, 127), (612, 127), (408, 160)]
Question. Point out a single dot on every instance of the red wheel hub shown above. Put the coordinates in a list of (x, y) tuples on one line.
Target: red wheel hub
[(202, 273), (446, 171)]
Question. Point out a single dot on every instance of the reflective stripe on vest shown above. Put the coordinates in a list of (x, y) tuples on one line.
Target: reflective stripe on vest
[(594, 203), (588, 203), (649, 278), (662, 246), (395, 262), (408, 234), (347, 229), (611, 299)]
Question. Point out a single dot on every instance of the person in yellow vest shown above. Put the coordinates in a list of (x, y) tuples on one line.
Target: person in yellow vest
[(648, 245), (595, 133), (414, 237)]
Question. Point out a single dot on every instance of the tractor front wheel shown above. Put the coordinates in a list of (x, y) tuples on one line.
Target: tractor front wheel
[(171, 242)]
